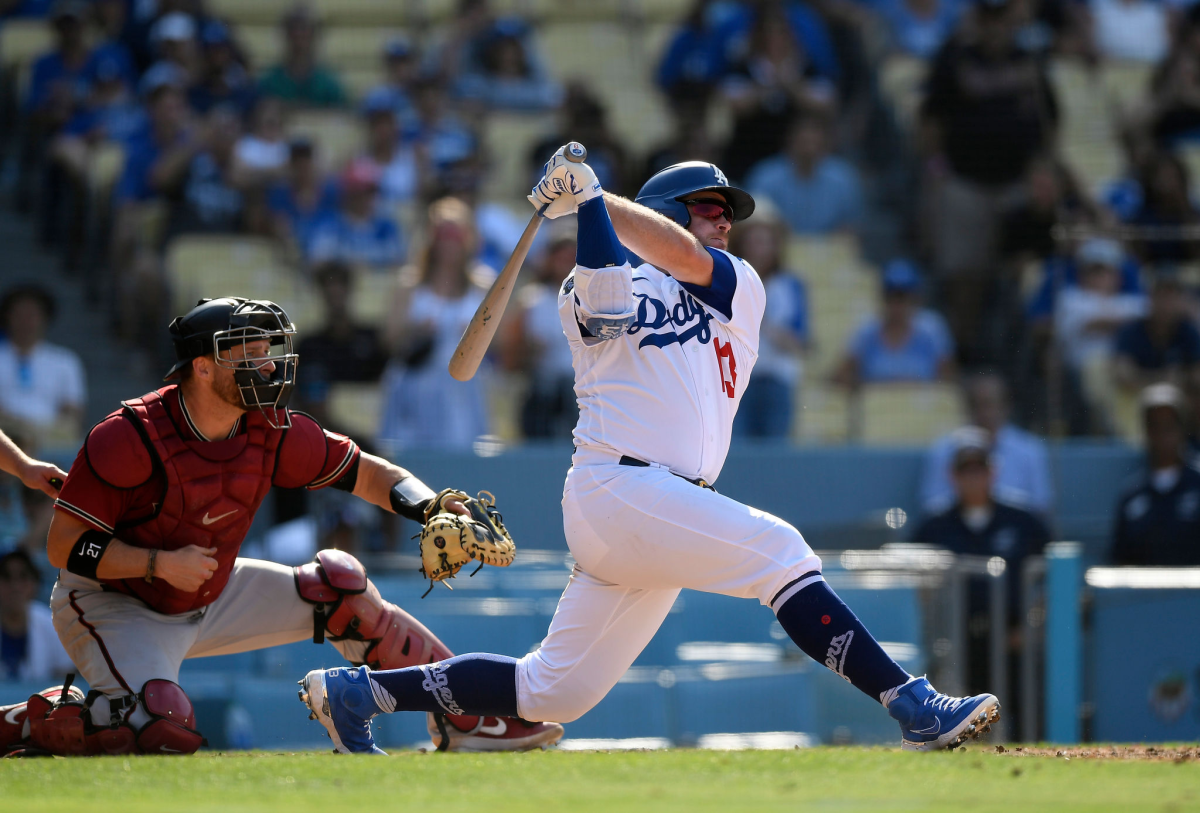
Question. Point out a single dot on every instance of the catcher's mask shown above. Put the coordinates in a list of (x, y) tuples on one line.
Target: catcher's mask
[(218, 327)]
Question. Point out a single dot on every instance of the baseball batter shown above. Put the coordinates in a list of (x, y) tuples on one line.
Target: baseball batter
[(662, 349), (147, 530)]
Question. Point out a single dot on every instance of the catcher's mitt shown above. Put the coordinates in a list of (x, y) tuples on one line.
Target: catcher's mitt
[(450, 540)]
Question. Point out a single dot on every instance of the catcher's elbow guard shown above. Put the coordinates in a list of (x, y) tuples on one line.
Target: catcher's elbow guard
[(348, 606)]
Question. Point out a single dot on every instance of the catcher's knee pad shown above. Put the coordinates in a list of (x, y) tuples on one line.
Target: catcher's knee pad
[(348, 606), (172, 726)]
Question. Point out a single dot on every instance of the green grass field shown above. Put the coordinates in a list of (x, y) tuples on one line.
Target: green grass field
[(818, 779)]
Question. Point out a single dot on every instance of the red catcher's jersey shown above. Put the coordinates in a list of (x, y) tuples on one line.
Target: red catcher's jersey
[(147, 477)]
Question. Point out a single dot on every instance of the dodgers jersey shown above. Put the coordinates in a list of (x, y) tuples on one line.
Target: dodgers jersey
[(666, 390)]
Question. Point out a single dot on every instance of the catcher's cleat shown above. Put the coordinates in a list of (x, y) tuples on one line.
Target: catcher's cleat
[(930, 721), (491, 733), (340, 699)]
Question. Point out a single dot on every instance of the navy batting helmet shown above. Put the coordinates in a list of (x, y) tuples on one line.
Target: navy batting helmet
[(667, 188)]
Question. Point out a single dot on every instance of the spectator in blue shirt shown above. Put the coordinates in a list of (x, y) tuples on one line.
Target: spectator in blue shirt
[(303, 199), (503, 71), (904, 343), (58, 82), (223, 78), (213, 199), (920, 27), (1165, 345), (695, 56), (401, 70), (818, 193), (767, 405), (1020, 462), (359, 233)]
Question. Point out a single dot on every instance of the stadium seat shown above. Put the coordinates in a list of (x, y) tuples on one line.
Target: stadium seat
[(105, 167), (356, 408), (240, 12), (908, 414), (357, 81), (822, 415), (230, 265), (339, 135), (21, 41), (356, 48), (509, 140), (380, 13), (263, 45), (902, 81)]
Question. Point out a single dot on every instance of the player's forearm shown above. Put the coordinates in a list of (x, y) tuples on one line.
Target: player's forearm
[(120, 561), (12, 459), (376, 477), (659, 241)]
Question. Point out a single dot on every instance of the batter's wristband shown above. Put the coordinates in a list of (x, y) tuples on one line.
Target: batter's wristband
[(410, 497), (86, 554)]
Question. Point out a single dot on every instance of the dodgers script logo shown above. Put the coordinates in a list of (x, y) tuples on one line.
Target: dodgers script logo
[(436, 684), (653, 314)]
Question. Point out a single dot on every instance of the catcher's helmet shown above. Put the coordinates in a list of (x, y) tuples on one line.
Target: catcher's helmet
[(668, 187), (216, 326)]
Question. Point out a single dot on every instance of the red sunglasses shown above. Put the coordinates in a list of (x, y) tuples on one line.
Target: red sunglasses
[(710, 209)]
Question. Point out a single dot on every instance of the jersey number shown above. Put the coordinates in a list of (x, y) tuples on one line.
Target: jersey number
[(728, 365)]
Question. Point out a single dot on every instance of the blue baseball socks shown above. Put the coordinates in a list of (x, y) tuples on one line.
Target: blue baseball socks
[(476, 684), (825, 628)]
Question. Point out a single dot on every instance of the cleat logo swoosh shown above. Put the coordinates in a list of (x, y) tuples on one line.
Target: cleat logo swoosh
[(164, 749), (207, 520), (11, 717), (933, 729), (496, 730)]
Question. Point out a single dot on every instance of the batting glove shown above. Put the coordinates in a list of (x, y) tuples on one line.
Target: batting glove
[(564, 186)]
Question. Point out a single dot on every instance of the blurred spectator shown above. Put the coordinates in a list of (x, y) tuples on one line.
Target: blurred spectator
[(1130, 30), (767, 405), (989, 110), (584, 118), (1051, 197), (341, 349), (58, 82), (262, 153), (979, 525), (690, 139), (401, 71), (300, 79), (1019, 461), (503, 72), (400, 169), (1164, 345), (302, 199), (29, 647), (903, 343), (774, 80), (213, 200), (1171, 110), (1090, 314), (111, 18), (1166, 205), (223, 79), (24, 8), (532, 342), (818, 193), (173, 37), (437, 131), (919, 27), (423, 405), (41, 384), (1158, 518), (359, 233), (695, 55)]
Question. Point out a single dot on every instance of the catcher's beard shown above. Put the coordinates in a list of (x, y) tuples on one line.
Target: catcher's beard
[(227, 389)]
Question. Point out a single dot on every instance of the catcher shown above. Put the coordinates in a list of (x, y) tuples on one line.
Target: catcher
[(148, 526)]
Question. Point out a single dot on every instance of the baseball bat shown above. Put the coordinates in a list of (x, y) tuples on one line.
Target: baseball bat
[(479, 333)]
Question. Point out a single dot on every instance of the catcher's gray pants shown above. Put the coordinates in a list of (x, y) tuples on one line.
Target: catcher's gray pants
[(639, 535), (118, 643)]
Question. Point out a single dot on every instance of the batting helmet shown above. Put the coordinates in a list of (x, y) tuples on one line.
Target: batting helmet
[(215, 326), (667, 188)]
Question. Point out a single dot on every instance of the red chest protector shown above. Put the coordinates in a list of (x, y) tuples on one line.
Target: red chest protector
[(212, 491)]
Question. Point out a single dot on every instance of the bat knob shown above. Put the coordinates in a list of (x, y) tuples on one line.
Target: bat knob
[(575, 152)]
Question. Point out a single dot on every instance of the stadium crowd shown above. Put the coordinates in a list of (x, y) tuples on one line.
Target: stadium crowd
[(929, 146)]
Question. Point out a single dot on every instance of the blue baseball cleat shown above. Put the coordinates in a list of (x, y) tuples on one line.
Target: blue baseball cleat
[(930, 721), (341, 700)]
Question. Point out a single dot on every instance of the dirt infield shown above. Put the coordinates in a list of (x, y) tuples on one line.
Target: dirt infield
[(1150, 753)]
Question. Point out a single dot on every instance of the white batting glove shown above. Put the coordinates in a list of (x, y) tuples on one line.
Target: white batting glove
[(564, 186)]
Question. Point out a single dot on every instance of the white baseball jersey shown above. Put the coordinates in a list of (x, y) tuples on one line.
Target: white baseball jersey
[(666, 391)]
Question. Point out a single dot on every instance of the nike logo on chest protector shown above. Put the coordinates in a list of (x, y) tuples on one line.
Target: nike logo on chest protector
[(207, 520)]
